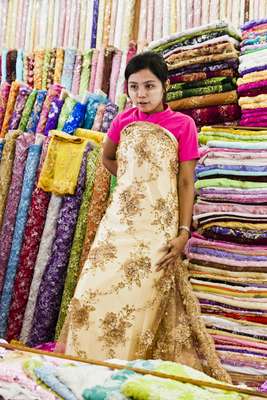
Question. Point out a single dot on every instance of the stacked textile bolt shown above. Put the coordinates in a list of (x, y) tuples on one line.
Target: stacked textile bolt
[(252, 84), (228, 252), (202, 65)]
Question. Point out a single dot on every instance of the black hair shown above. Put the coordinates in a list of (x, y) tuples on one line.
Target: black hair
[(148, 60)]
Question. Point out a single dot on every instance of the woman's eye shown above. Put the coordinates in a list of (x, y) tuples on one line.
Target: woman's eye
[(149, 86), (133, 87)]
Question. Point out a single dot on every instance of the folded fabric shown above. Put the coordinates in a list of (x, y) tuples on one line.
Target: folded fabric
[(200, 76), (238, 235), (252, 85), (47, 374), (214, 114), (254, 68), (205, 50), (228, 183), (206, 66), (252, 77), (237, 145), (259, 101), (220, 80), (200, 91), (61, 168), (204, 101)]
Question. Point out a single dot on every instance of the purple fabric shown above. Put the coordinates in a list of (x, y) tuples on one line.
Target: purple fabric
[(253, 23), (22, 145), (232, 63), (253, 69), (226, 254), (240, 351), (231, 307), (52, 284), (21, 99), (94, 24), (256, 124), (53, 115)]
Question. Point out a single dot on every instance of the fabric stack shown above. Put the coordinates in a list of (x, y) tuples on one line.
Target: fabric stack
[(252, 84), (203, 65), (24, 375), (228, 252)]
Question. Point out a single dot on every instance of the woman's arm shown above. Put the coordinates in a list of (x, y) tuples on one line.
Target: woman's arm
[(109, 156), (186, 200)]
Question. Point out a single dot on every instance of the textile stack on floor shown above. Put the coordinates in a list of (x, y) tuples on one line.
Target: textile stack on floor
[(252, 84), (203, 65), (24, 375), (228, 251)]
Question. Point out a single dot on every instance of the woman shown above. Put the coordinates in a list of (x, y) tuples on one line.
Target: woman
[(126, 304)]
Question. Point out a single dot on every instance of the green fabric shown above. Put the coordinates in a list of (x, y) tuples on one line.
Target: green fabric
[(113, 183), (27, 110), (205, 31), (228, 183), (79, 236), (218, 80), (86, 71), (47, 59), (150, 387), (65, 112), (180, 94), (122, 102), (205, 138)]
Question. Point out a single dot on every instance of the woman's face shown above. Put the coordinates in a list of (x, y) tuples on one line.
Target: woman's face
[(146, 91)]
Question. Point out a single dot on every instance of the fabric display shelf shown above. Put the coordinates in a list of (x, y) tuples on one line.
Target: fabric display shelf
[(252, 83), (35, 374), (54, 191), (77, 71), (202, 64), (228, 253), (29, 24)]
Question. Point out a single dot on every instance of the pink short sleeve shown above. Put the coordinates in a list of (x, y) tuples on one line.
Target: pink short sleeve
[(114, 131), (188, 141)]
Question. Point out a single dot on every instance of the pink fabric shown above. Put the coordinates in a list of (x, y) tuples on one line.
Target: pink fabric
[(99, 70), (201, 208), (260, 124), (227, 339), (93, 70), (227, 261), (77, 74), (180, 125), (115, 71)]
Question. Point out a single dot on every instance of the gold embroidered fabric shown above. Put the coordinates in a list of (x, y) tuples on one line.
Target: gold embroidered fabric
[(122, 306)]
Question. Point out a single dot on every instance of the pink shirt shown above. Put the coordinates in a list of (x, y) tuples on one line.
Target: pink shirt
[(180, 125)]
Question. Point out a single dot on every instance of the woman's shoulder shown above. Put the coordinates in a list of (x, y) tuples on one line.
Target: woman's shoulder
[(180, 118)]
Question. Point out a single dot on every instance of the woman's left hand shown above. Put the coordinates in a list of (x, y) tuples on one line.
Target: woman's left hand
[(174, 250)]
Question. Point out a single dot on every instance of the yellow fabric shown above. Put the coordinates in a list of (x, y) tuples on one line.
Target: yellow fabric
[(252, 77), (259, 101), (94, 136), (62, 164), (39, 56), (236, 225), (10, 106), (204, 101), (59, 65), (123, 307), (248, 132)]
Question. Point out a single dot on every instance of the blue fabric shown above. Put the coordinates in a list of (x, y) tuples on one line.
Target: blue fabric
[(248, 168), (19, 65), (1, 149), (68, 68), (92, 105), (3, 70), (36, 112), (75, 119), (21, 218), (47, 374)]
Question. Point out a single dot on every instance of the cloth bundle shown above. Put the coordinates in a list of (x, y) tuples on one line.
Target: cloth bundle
[(228, 252), (252, 84), (202, 64)]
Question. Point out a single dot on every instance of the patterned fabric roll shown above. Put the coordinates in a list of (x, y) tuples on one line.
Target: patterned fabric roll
[(54, 112), (47, 59), (51, 68), (29, 250), (109, 114), (36, 112), (27, 110), (67, 74), (49, 296), (94, 25), (14, 90), (19, 65), (115, 70), (59, 65), (77, 74), (39, 56), (30, 70), (108, 57), (93, 70), (27, 188), (86, 71), (22, 145), (11, 66), (6, 165), (4, 93), (53, 93), (65, 112), (75, 119), (79, 236), (24, 92)]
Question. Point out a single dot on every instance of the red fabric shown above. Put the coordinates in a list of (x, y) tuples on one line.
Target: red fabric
[(28, 255)]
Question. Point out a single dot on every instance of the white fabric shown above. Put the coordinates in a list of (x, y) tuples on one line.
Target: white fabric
[(119, 23)]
